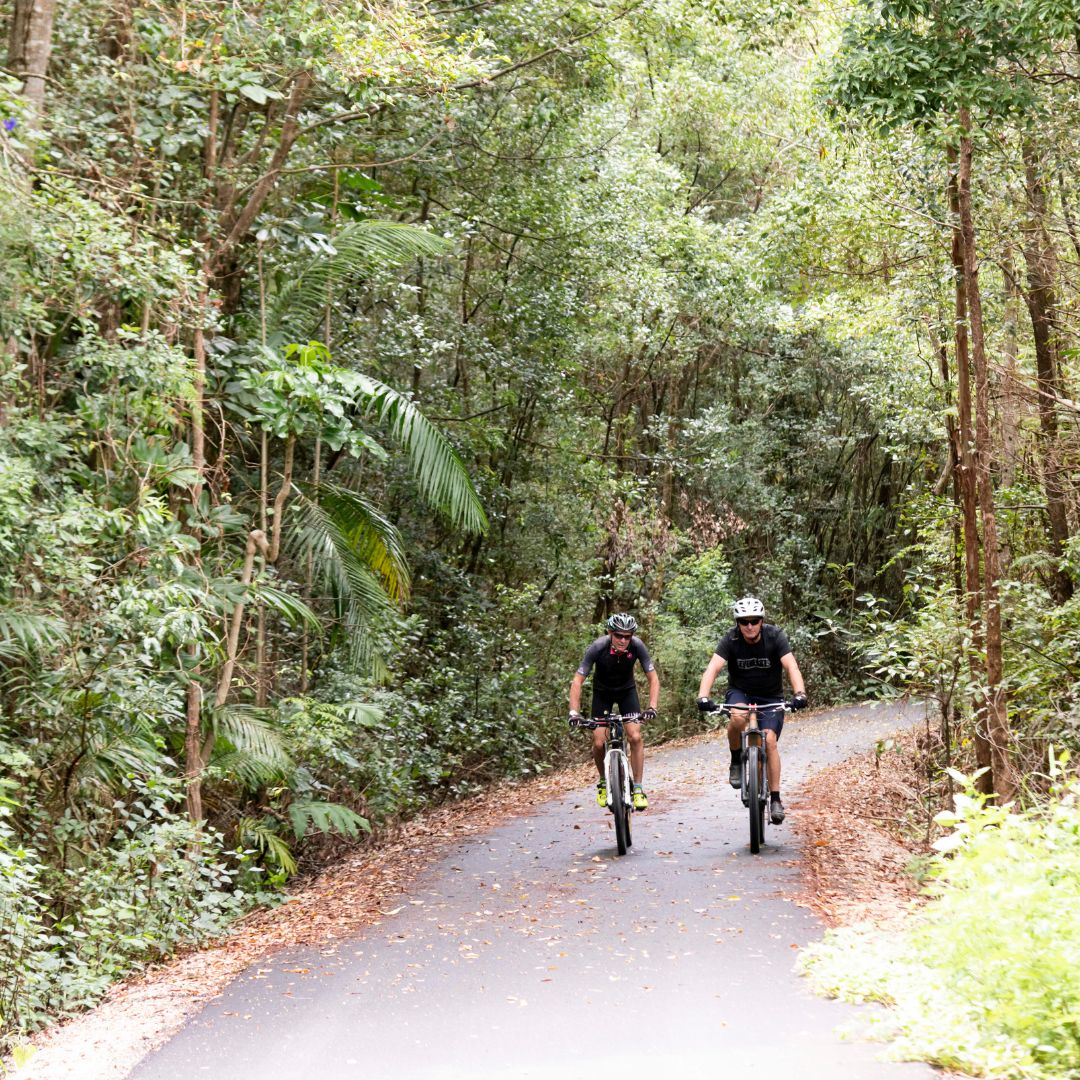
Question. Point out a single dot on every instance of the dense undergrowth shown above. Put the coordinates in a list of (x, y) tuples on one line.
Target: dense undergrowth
[(985, 978)]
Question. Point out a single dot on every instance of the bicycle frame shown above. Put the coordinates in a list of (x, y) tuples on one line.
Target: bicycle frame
[(754, 790), (613, 753), (617, 774)]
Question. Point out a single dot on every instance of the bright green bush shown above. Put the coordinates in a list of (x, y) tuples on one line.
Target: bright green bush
[(987, 979)]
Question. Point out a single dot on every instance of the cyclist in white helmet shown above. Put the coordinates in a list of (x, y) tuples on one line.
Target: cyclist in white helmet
[(613, 656), (756, 655)]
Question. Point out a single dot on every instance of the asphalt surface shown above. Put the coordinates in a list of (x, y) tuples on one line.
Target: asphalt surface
[(535, 951)]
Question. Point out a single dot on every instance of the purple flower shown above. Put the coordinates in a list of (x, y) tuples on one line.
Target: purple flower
[(9, 124)]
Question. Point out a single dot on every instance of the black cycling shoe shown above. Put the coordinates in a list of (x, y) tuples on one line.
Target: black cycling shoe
[(776, 812), (735, 774)]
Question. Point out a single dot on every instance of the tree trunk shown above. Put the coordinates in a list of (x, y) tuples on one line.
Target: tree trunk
[(965, 480), (997, 710), (1041, 303), (193, 764), (30, 46)]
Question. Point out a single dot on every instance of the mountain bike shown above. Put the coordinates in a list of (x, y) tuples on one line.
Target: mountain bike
[(617, 773), (754, 789)]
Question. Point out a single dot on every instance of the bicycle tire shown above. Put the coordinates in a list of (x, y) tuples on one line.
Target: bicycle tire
[(617, 790), (753, 798)]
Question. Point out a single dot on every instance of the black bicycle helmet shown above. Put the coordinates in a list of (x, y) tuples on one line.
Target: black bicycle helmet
[(622, 623)]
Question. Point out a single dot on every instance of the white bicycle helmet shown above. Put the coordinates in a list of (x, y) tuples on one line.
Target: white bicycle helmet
[(749, 607), (622, 623)]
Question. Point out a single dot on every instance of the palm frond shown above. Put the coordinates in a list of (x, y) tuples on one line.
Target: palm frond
[(247, 770), (263, 837), (24, 632), (358, 559), (251, 732), (335, 519), (111, 756), (439, 472), (291, 608), (325, 817), (359, 249)]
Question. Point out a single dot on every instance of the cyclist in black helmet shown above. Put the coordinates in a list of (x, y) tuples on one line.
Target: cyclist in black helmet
[(613, 656), (757, 655)]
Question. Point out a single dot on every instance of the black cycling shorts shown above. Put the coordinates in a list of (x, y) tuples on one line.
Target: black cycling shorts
[(769, 719), (604, 701)]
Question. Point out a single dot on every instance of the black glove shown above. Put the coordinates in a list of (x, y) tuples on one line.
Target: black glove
[(705, 704), (649, 714), (798, 702), (575, 718)]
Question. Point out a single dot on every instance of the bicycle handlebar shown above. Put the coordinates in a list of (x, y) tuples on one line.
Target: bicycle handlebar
[(743, 706), (599, 722)]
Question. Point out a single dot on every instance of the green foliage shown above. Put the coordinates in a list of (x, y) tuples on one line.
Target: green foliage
[(986, 980), (127, 892)]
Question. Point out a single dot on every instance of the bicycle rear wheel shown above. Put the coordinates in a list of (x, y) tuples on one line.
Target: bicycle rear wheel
[(619, 807), (753, 798)]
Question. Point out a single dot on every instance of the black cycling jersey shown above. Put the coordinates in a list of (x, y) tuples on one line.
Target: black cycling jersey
[(755, 669), (614, 670)]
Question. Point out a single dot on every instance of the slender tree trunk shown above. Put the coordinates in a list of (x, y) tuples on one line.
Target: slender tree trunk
[(30, 46), (1041, 303), (997, 709), (965, 478), (256, 543)]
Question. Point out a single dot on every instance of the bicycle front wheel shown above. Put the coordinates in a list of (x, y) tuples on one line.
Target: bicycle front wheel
[(619, 806), (754, 800)]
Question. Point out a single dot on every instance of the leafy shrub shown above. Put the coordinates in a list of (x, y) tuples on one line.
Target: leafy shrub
[(68, 931), (987, 980)]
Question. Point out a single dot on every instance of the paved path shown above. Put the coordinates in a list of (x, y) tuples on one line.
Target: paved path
[(534, 951)]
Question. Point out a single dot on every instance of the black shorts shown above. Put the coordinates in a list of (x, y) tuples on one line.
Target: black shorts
[(604, 701), (769, 719)]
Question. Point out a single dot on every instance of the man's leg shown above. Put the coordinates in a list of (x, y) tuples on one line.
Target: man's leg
[(772, 760), (599, 736), (772, 767), (736, 722)]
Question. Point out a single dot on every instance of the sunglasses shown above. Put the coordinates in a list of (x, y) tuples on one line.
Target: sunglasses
[(748, 622), (622, 637)]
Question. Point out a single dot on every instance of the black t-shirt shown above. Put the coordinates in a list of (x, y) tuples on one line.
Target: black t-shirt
[(614, 670), (755, 669)]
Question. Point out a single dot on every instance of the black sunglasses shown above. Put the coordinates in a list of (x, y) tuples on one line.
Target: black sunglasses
[(623, 637), (748, 622)]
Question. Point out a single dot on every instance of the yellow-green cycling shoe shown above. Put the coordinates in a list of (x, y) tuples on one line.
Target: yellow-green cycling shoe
[(601, 793), (640, 799)]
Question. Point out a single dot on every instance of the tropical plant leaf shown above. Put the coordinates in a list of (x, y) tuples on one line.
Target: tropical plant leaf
[(23, 632), (325, 817), (258, 747), (337, 520), (263, 837), (291, 608), (357, 556), (359, 249), (439, 472)]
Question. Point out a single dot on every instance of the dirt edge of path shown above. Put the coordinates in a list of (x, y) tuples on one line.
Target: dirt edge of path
[(851, 869), (859, 837)]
